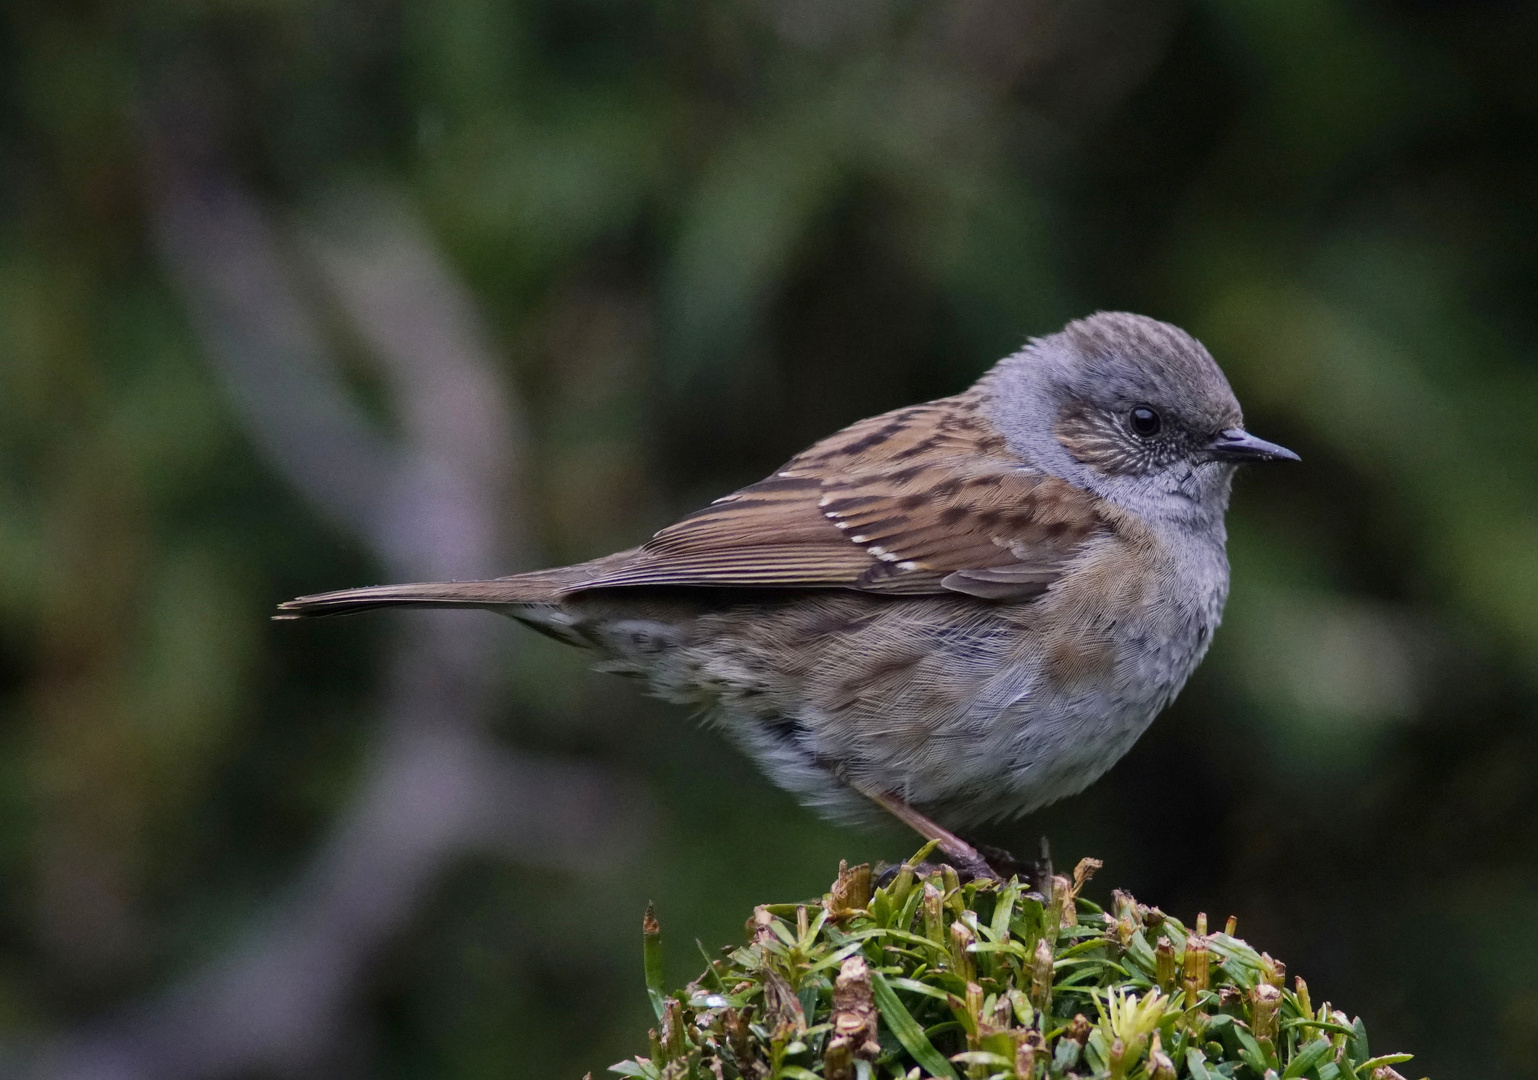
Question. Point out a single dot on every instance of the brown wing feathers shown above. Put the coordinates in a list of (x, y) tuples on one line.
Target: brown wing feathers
[(994, 532), (768, 534), (926, 499), (923, 500)]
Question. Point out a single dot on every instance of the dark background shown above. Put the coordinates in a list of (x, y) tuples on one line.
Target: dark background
[(297, 294)]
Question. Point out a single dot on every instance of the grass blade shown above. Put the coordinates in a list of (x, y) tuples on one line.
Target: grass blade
[(651, 959), (907, 1030)]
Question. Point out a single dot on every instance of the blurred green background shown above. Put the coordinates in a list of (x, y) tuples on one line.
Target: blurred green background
[(658, 248)]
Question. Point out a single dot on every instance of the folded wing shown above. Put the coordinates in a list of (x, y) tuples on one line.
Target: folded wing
[(924, 500)]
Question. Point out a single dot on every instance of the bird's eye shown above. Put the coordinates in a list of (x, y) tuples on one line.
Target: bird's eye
[(1144, 421)]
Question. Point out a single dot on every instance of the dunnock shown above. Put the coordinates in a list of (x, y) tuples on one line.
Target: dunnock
[(960, 611)]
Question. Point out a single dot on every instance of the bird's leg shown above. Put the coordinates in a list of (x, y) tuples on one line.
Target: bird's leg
[(960, 854)]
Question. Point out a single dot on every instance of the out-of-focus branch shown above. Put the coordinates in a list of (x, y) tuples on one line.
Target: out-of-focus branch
[(465, 430), (436, 786), (245, 305)]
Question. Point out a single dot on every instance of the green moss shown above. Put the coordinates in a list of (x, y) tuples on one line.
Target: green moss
[(929, 977)]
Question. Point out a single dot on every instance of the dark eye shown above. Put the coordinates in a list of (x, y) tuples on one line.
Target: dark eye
[(1144, 421)]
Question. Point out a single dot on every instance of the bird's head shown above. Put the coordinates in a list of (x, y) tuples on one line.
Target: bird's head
[(1131, 408)]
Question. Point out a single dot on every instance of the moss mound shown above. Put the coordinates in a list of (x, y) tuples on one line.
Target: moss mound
[(926, 976)]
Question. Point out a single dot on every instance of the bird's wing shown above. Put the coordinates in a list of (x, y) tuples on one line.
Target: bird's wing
[(924, 500)]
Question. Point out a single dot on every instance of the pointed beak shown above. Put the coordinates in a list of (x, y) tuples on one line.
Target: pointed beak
[(1236, 445)]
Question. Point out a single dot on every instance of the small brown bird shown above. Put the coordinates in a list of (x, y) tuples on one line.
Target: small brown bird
[(958, 611)]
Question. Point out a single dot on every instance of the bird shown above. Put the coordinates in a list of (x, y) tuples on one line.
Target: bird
[(954, 613)]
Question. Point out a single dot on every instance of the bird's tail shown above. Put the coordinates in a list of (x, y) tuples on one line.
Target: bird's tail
[(537, 588)]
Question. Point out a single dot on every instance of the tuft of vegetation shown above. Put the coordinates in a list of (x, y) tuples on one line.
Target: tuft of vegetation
[(924, 976)]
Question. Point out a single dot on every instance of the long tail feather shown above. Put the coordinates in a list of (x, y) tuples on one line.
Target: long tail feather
[(523, 589)]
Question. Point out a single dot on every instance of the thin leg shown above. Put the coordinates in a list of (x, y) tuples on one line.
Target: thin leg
[(960, 854)]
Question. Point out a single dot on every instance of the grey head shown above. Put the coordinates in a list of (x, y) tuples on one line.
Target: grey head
[(1133, 409)]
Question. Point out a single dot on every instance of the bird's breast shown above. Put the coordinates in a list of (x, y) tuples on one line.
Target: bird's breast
[(1132, 615)]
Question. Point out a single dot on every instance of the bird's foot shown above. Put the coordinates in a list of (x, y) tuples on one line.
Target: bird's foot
[(969, 863), (981, 862), (1003, 863)]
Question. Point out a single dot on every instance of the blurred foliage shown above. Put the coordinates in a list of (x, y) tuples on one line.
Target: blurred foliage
[(920, 975), (705, 235)]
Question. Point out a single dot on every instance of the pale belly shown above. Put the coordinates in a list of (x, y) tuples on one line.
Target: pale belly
[(967, 709)]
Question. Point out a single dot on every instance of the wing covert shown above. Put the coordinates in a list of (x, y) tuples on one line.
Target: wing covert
[(925, 500)]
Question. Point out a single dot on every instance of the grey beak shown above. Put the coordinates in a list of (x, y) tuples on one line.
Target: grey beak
[(1236, 444)]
